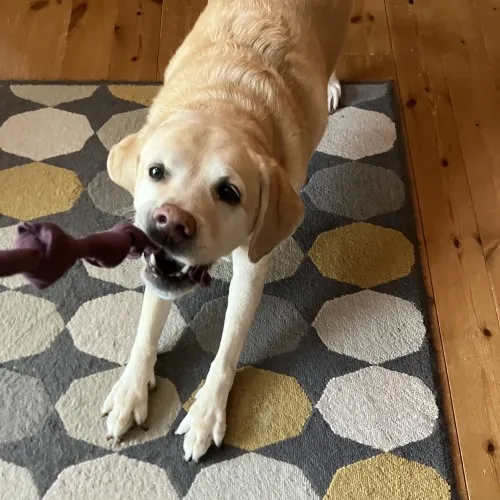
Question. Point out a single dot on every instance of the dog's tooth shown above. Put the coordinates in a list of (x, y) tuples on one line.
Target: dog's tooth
[(152, 259), (185, 269)]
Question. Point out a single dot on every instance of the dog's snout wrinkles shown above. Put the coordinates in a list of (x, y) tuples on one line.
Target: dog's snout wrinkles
[(174, 223)]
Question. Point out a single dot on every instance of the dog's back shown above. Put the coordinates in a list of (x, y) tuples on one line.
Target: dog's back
[(269, 60)]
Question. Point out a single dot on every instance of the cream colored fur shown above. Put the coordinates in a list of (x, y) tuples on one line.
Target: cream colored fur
[(245, 97)]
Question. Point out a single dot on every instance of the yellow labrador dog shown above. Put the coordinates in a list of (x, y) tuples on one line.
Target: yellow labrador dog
[(216, 170)]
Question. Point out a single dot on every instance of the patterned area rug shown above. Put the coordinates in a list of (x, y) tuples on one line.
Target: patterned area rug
[(335, 397)]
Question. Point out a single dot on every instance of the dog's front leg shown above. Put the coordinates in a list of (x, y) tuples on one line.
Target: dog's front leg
[(127, 403), (206, 420)]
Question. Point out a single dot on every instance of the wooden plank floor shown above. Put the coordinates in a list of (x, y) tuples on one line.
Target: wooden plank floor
[(445, 57)]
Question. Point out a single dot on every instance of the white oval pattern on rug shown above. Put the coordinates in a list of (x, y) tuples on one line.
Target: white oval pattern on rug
[(28, 325), (16, 483), (113, 477), (379, 407), (105, 327), (251, 477), (80, 409), (355, 133), (37, 134), (370, 326), (7, 238)]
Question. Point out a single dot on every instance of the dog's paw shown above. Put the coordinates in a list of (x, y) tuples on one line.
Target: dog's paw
[(204, 424), (334, 93), (127, 403)]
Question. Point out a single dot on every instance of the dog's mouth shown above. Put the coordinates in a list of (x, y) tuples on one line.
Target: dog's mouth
[(168, 269)]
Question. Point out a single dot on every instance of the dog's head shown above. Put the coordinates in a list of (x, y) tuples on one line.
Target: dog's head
[(200, 191)]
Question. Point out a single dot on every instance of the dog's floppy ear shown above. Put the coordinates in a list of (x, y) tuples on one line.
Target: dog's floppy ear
[(123, 160), (281, 211)]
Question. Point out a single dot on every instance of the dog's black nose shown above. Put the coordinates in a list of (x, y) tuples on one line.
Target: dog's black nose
[(174, 223)]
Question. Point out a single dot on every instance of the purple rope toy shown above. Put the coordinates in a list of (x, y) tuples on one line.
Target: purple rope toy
[(43, 253)]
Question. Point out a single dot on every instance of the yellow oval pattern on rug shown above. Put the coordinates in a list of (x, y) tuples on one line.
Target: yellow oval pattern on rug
[(36, 189), (387, 477), (141, 94), (363, 254), (263, 408)]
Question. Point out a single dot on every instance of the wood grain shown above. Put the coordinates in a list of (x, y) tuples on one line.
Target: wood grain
[(136, 40), (369, 67), (488, 14), (477, 113), (178, 18), (32, 38), (368, 51), (89, 40), (368, 34), (446, 400), (464, 301)]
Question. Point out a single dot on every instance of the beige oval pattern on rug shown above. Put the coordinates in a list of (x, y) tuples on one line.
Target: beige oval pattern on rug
[(53, 95), (105, 327), (370, 326), (380, 408), (127, 274), (43, 133), (112, 477), (28, 325), (16, 483), (356, 133), (251, 477), (7, 239), (80, 410)]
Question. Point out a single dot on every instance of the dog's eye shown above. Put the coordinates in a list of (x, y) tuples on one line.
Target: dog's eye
[(157, 172), (228, 193)]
